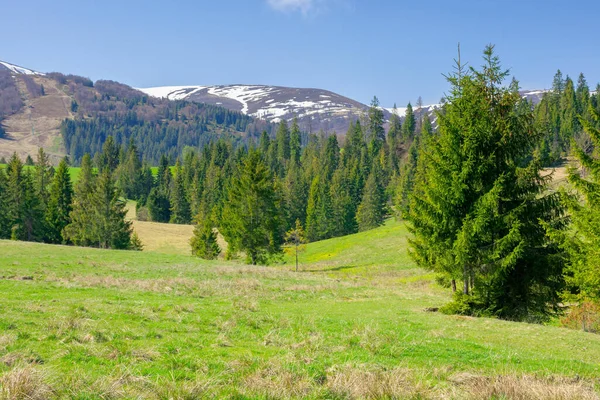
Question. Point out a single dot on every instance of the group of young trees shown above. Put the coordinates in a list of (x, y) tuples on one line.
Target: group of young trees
[(481, 211), (254, 194), (40, 204), (558, 116)]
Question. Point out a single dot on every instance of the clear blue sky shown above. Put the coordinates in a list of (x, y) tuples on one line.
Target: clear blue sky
[(394, 49)]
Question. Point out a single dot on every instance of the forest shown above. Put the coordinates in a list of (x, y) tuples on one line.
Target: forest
[(469, 180)]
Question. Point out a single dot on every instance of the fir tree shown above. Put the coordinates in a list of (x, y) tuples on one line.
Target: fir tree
[(480, 210), (251, 216), (582, 243), (376, 130), (23, 208), (43, 176), (393, 140), (4, 219), (283, 141), (371, 211), (295, 142), (180, 206), (319, 212), (80, 230), (204, 242), (109, 227), (410, 123), (343, 208), (59, 204)]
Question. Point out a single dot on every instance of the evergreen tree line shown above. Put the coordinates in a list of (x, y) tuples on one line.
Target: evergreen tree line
[(558, 117), (40, 204)]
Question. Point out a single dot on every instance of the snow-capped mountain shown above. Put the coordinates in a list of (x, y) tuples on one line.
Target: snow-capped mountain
[(315, 108), (534, 96), (15, 69)]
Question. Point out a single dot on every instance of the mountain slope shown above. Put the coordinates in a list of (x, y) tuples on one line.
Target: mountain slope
[(68, 114)]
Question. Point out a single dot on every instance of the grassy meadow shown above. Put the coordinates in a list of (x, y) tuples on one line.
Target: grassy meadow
[(353, 323)]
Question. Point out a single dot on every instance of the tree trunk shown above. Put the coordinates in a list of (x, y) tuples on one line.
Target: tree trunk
[(453, 285)]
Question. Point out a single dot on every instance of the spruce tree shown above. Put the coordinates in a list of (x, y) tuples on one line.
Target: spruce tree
[(283, 142), (295, 194), (343, 208), (23, 206), (393, 140), (43, 176), (180, 206), (80, 230), (4, 219), (251, 215), (480, 210), (376, 130), (410, 123), (204, 241), (109, 227), (295, 142), (582, 243), (59, 204), (319, 212), (372, 210)]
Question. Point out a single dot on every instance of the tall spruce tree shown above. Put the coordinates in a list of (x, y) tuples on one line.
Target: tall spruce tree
[(376, 129), (582, 243), (59, 204), (204, 241), (180, 205), (372, 209), (251, 215), (109, 227), (80, 230), (23, 206), (319, 212), (410, 123), (480, 210)]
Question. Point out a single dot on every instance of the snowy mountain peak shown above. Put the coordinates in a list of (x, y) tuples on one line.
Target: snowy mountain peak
[(15, 69), (315, 108)]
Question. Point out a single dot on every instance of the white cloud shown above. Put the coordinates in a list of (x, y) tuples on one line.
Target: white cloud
[(304, 6)]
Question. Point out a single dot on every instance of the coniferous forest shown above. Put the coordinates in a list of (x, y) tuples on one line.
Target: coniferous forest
[(469, 179)]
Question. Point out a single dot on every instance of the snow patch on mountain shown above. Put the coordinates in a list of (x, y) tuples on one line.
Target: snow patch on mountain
[(172, 92), (15, 69)]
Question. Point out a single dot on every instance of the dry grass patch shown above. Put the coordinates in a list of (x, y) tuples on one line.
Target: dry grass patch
[(276, 382), (523, 388), (356, 382), (26, 383)]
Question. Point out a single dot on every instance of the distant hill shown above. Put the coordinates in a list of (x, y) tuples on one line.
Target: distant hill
[(68, 114), (316, 109)]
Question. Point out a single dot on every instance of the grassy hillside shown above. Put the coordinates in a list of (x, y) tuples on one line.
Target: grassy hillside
[(86, 323)]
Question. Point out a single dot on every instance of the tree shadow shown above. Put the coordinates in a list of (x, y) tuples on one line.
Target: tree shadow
[(332, 269)]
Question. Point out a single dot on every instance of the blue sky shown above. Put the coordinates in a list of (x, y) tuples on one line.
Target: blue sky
[(394, 49)]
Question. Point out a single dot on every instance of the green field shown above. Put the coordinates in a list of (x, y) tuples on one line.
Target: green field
[(74, 171), (101, 324)]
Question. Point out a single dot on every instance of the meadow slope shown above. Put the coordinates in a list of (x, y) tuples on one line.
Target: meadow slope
[(98, 324)]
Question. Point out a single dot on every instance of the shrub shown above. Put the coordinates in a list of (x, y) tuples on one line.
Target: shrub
[(585, 316)]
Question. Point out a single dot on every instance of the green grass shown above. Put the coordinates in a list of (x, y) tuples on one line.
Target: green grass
[(90, 323), (74, 171)]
